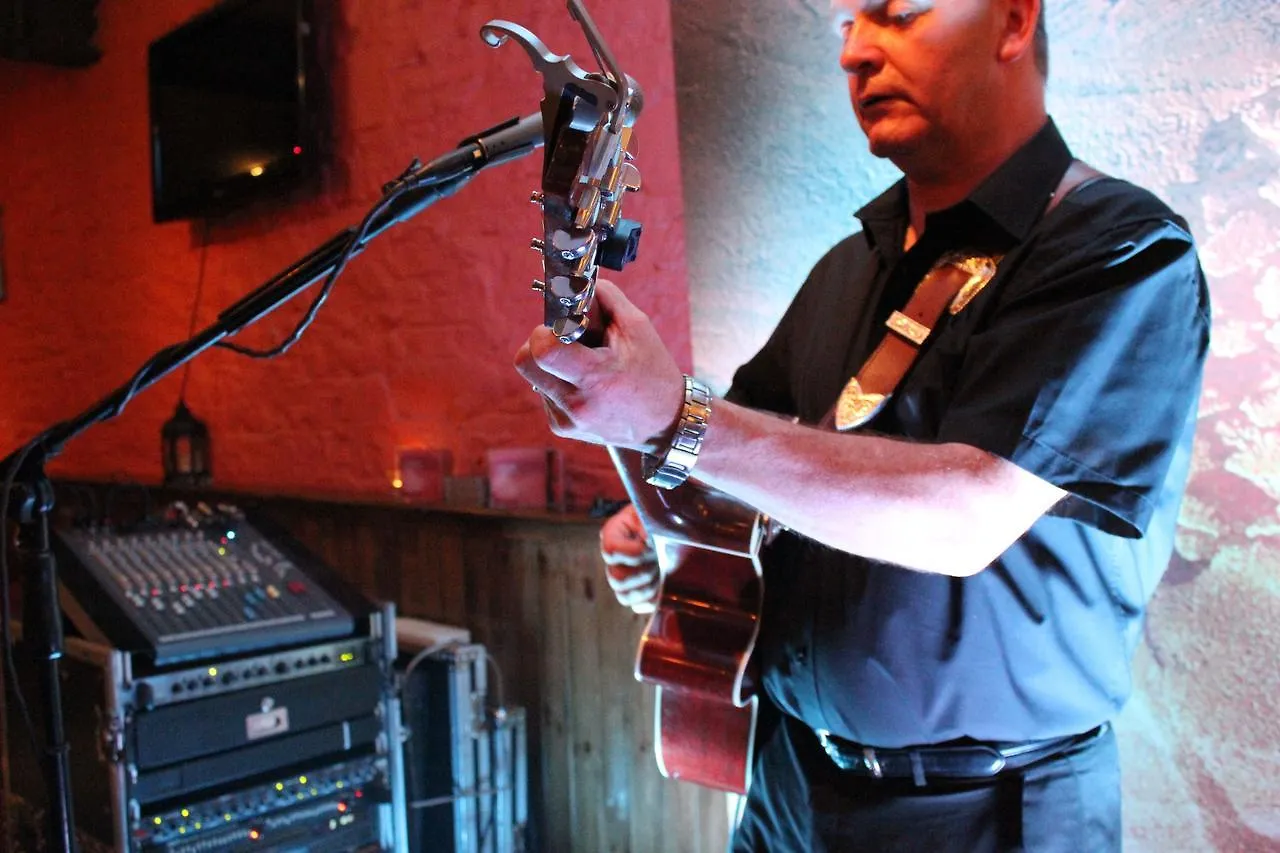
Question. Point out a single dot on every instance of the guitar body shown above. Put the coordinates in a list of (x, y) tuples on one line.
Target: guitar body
[(705, 741), (697, 646)]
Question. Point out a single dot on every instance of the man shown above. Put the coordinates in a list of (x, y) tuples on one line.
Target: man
[(951, 614)]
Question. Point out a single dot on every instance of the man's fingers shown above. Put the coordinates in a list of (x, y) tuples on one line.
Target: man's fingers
[(624, 533), (623, 546), (564, 361), (632, 597), (641, 595), (630, 564), (626, 581), (527, 365), (632, 557), (635, 600), (529, 368)]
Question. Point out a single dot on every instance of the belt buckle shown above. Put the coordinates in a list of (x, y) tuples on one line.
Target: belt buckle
[(871, 762)]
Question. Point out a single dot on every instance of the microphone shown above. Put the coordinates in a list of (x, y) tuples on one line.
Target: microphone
[(512, 139), (421, 186)]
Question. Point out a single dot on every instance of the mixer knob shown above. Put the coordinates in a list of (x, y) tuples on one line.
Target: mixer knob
[(145, 696)]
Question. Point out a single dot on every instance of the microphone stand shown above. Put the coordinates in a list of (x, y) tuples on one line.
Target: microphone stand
[(32, 499)]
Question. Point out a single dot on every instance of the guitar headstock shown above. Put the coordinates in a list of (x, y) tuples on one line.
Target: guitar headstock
[(587, 119)]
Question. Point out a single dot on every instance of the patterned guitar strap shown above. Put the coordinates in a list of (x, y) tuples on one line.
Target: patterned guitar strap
[(950, 285)]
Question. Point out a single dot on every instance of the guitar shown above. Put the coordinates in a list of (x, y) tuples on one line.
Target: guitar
[(696, 648)]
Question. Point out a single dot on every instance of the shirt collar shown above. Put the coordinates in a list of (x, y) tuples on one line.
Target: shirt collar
[(1012, 197)]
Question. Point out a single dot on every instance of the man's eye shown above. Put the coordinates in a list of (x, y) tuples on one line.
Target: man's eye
[(900, 14)]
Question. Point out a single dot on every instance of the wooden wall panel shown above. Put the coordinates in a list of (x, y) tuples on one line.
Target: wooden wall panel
[(530, 588)]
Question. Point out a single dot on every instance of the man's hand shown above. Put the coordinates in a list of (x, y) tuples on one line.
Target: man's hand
[(627, 393), (629, 562)]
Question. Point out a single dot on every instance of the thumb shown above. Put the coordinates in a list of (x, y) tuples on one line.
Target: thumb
[(615, 304)]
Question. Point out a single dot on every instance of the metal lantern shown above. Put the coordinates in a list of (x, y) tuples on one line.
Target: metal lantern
[(185, 449)]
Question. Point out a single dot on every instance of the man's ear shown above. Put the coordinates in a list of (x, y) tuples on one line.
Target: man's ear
[(1019, 31)]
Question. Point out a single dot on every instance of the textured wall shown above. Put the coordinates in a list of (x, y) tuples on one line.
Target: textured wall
[(415, 344), (1182, 97)]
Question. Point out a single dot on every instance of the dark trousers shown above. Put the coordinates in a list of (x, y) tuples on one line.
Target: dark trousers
[(800, 802)]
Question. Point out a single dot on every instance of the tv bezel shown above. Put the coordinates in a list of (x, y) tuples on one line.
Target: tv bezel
[(218, 199)]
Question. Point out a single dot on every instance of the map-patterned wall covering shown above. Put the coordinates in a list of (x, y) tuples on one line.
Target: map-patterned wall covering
[(1181, 97)]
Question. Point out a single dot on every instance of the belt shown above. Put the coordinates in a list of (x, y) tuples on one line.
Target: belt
[(975, 760)]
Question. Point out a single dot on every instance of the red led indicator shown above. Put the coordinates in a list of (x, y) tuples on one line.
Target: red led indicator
[(297, 149)]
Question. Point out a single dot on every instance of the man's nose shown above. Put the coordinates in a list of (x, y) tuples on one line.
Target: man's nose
[(861, 52)]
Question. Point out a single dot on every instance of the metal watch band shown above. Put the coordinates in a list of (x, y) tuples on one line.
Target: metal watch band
[(691, 429)]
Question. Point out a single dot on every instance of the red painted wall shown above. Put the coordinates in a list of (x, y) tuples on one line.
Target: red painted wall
[(414, 346)]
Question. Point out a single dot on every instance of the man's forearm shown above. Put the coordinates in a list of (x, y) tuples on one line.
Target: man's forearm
[(944, 508)]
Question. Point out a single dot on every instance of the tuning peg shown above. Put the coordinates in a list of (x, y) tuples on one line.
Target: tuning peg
[(538, 245), (630, 178), (536, 197), (539, 285)]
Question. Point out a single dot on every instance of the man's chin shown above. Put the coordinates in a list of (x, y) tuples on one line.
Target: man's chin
[(887, 137), (891, 143)]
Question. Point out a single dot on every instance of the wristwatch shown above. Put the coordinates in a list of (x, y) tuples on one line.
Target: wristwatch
[(678, 460)]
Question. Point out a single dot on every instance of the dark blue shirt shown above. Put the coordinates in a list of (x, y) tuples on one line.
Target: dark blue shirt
[(1080, 362)]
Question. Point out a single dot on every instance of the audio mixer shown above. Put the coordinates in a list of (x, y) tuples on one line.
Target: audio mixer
[(200, 583)]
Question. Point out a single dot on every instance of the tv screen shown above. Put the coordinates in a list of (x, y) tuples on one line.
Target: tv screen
[(234, 106)]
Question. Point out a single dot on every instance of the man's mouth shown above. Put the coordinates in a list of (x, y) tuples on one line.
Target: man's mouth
[(872, 101)]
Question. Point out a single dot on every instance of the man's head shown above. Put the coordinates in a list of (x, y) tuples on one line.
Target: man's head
[(944, 84)]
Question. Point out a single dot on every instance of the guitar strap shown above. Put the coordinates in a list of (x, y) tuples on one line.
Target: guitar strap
[(949, 286)]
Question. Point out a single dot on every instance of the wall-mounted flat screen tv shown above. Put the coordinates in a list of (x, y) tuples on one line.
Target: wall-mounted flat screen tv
[(236, 107)]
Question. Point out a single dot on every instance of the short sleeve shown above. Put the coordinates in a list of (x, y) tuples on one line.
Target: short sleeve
[(1088, 366)]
